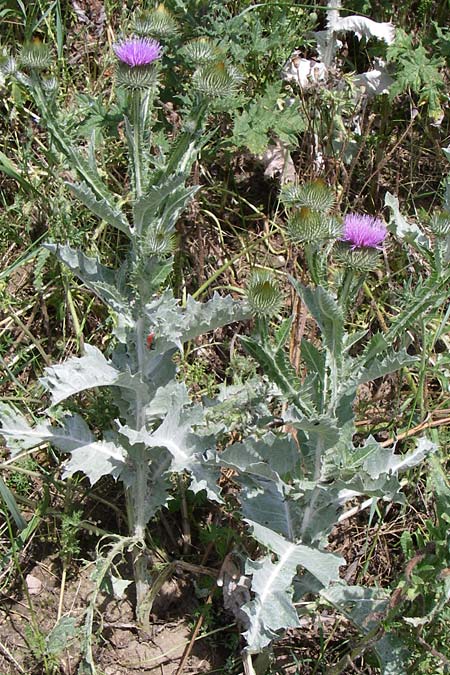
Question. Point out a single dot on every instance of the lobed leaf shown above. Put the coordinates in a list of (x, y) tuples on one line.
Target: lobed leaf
[(99, 279), (100, 207)]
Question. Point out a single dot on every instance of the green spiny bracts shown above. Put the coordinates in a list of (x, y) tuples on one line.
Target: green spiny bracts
[(216, 80), (158, 23), (357, 259), (35, 56), (263, 293), (314, 195), (307, 226), (202, 51)]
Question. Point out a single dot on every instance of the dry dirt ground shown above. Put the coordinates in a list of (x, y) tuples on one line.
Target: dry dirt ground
[(120, 648)]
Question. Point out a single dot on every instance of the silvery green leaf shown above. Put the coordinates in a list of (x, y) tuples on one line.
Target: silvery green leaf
[(177, 435), (401, 227), (264, 501), (156, 466), (383, 460), (272, 608), (99, 279), (92, 457), (317, 506), (322, 427), (390, 363), (77, 374), (323, 565), (353, 338), (366, 608), (100, 207), (174, 325), (277, 367), (81, 373), (202, 317), (165, 201), (327, 314), (277, 454), (162, 398), (61, 634), (18, 434)]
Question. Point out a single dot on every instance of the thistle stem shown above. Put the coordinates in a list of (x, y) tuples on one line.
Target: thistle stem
[(346, 287), (136, 116)]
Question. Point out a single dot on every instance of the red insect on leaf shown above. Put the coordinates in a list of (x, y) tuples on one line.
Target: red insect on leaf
[(150, 338)]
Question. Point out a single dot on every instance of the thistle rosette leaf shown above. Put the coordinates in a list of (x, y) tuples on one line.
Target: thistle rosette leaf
[(263, 293), (217, 80), (202, 51), (158, 23), (35, 56)]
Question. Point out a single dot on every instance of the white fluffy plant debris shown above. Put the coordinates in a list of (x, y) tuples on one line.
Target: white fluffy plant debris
[(308, 73)]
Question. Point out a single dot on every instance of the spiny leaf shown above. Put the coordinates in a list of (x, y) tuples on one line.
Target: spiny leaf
[(100, 207), (272, 609), (327, 314), (91, 370), (99, 279), (276, 366)]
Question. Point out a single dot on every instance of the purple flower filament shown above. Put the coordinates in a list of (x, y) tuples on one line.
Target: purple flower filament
[(362, 231), (137, 52)]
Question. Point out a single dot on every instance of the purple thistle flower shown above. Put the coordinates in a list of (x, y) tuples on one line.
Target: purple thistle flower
[(363, 231), (138, 51)]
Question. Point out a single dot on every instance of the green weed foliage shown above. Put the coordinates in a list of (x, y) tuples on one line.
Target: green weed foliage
[(188, 317)]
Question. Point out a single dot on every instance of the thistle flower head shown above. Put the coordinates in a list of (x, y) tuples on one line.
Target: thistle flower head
[(361, 231), (135, 51)]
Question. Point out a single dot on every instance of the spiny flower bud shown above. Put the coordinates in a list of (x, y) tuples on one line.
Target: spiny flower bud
[(216, 80), (159, 241), (201, 51), (315, 195), (159, 23), (35, 56), (263, 293), (306, 226)]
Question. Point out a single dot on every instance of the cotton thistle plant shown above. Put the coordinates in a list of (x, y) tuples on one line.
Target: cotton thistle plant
[(158, 432)]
